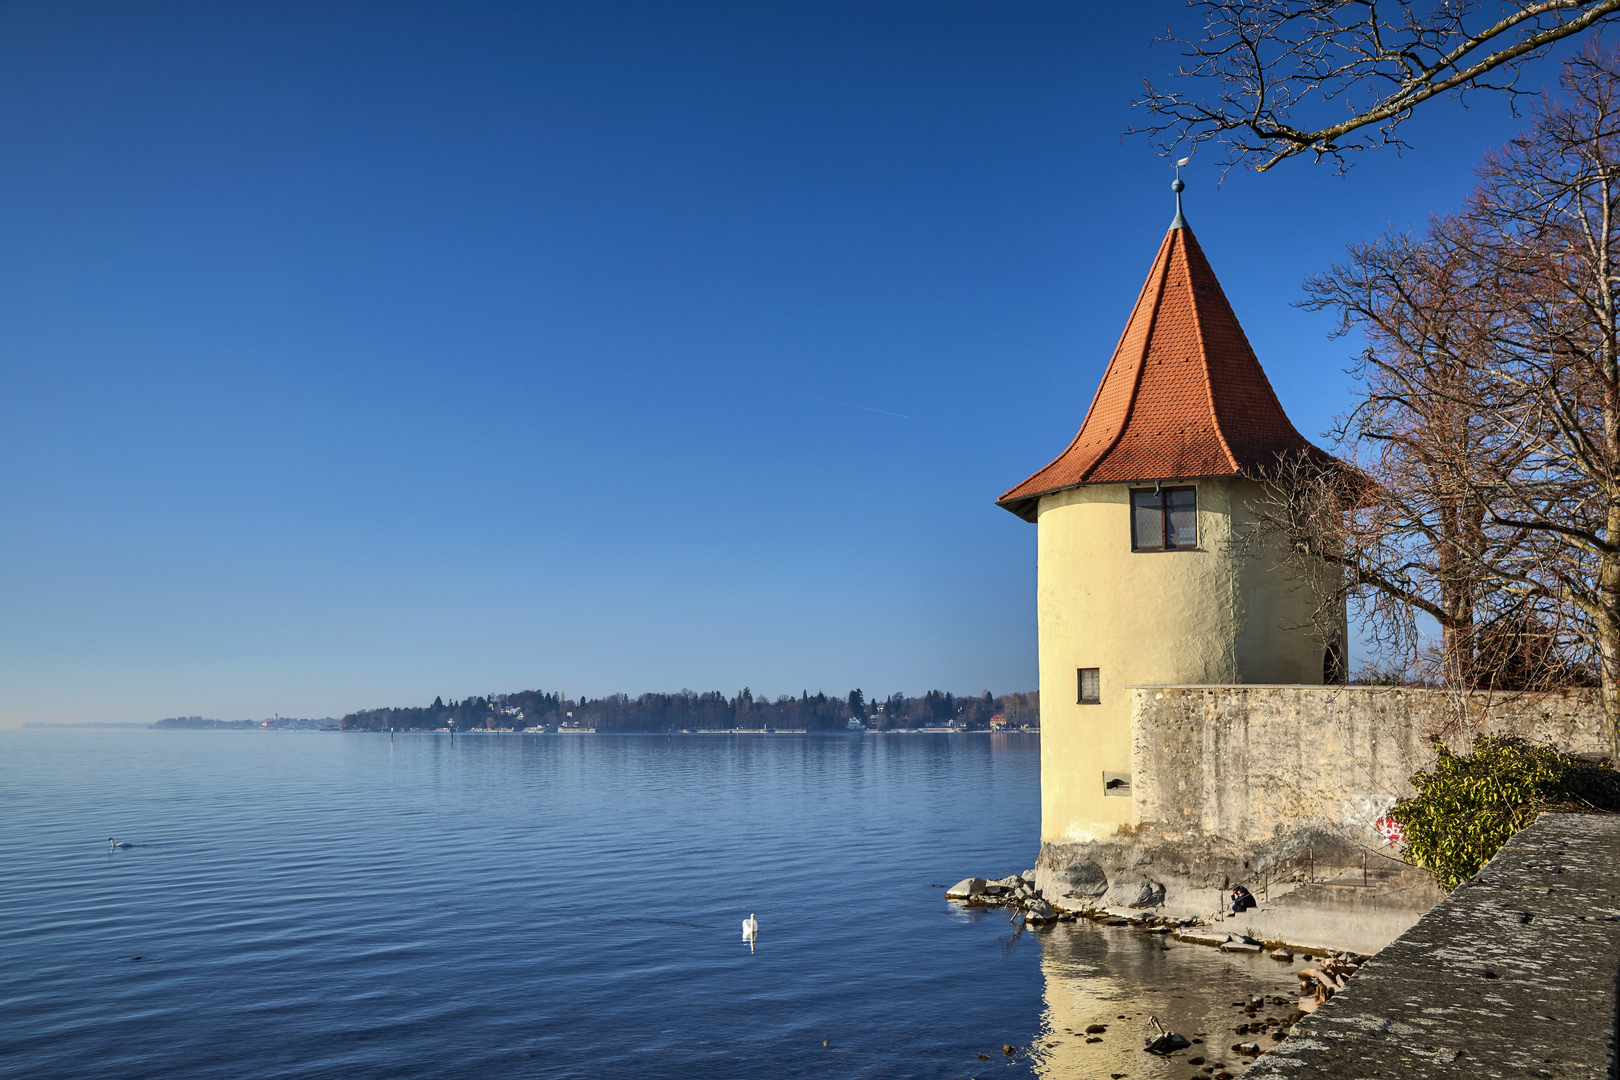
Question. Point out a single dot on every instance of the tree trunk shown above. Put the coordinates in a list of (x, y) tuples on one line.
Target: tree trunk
[(1608, 633)]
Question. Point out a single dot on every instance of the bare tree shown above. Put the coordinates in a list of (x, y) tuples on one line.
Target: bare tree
[(1548, 217), (1488, 434), (1412, 539), (1328, 77)]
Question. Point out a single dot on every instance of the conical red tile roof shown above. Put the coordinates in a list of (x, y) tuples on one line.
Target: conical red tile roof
[(1183, 396)]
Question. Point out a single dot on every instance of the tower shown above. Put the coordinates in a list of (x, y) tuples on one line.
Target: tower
[(1138, 583)]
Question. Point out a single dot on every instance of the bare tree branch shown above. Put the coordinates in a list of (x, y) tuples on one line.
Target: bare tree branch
[(1488, 430), (1330, 77)]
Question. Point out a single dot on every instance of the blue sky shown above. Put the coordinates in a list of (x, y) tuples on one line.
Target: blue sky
[(355, 353)]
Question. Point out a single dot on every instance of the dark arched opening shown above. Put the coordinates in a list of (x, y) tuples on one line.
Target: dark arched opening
[(1333, 672)]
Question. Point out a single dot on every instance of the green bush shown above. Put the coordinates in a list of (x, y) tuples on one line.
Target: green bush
[(1469, 805)]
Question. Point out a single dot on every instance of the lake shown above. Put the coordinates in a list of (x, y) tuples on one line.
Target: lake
[(343, 905)]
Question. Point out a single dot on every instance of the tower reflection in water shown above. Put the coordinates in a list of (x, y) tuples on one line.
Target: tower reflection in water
[(1118, 977)]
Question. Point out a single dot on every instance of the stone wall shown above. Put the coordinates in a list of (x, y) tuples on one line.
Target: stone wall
[(1280, 788), (1252, 764), (1513, 975)]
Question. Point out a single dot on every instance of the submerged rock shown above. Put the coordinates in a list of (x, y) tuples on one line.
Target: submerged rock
[(1166, 1043)]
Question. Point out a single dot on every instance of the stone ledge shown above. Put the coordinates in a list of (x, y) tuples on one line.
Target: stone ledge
[(1513, 975), (1317, 916)]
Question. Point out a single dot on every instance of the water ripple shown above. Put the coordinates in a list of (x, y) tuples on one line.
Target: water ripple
[(509, 906)]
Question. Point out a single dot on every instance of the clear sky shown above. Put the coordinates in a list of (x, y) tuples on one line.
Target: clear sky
[(354, 353)]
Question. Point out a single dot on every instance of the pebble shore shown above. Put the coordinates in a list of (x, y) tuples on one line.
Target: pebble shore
[(1019, 893)]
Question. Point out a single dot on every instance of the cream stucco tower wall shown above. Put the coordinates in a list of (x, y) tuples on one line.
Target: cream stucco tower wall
[(1183, 403), (1204, 615)]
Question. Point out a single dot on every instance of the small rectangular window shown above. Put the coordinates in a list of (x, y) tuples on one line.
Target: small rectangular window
[(1165, 519), (1117, 783), (1090, 686)]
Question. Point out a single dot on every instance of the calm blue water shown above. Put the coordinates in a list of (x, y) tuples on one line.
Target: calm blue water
[(325, 905)]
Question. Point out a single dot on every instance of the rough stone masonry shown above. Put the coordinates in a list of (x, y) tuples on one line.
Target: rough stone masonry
[(1513, 975), (1282, 788)]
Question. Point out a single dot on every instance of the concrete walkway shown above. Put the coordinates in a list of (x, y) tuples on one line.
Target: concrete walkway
[(1513, 975)]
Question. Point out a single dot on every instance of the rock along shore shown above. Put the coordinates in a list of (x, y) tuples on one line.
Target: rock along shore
[(1018, 891), (1317, 984)]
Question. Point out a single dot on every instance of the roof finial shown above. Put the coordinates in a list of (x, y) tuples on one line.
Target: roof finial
[(1176, 185)]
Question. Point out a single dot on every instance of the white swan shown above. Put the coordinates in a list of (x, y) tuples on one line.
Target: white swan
[(750, 927)]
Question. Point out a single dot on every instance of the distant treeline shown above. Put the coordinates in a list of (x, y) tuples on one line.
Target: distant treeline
[(280, 723), (201, 722), (688, 709)]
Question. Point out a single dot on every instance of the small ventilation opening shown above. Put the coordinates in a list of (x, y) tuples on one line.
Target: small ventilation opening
[(1116, 783), (1090, 685)]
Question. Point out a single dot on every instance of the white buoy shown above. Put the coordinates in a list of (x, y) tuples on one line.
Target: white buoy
[(750, 927)]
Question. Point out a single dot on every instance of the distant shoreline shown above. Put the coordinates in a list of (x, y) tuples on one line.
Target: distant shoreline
[(711, 710), (36, 725), (84, 724), (828, 732)]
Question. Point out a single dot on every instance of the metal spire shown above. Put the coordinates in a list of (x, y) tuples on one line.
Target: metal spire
[(1176, 185)]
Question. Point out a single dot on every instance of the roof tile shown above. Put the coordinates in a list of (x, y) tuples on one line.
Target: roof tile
[(1183, 396)]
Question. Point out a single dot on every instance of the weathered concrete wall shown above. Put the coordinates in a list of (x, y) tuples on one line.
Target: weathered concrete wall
[(1253, 765), (1279, 788), (1513, 975)]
